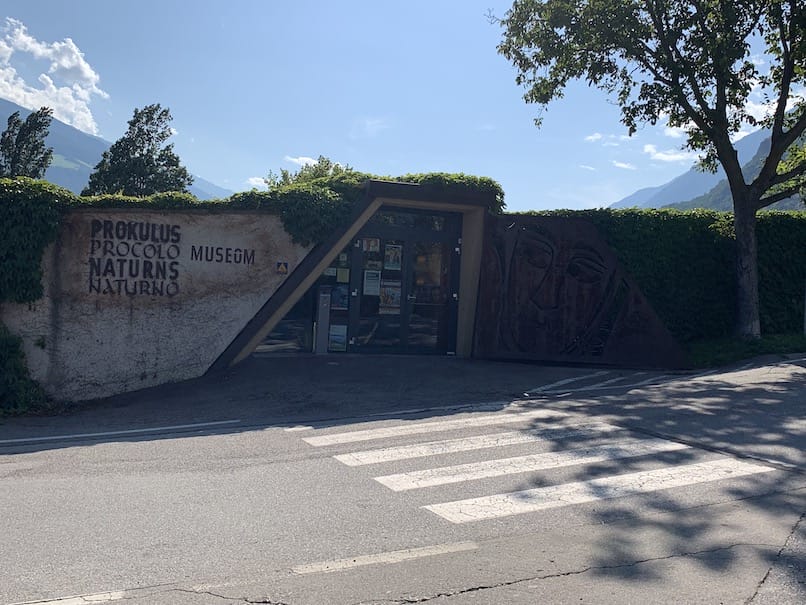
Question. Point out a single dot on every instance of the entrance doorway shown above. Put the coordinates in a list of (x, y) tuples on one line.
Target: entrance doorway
[(394, 289), (405, 282)]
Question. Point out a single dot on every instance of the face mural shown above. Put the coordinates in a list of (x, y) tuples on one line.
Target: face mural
[(559, 292), (551, 289)]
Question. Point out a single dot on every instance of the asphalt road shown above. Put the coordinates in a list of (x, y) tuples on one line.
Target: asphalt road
[(407, 480)]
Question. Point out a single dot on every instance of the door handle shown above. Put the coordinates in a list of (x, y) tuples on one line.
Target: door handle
[(411, 297)]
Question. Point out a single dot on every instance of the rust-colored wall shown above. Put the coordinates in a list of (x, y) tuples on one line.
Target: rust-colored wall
[(551, 289)]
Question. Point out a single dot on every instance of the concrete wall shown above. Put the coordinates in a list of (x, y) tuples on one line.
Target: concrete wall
[(136, 298)]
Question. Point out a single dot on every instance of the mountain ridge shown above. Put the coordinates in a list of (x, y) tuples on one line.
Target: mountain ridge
[(719, 197), (76, 153), (694, 183)]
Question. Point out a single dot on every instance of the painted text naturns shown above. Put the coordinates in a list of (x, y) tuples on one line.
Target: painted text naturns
[(134, 258)]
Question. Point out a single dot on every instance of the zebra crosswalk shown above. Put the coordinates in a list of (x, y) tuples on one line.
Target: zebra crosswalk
[(501, 505), (544, 441)]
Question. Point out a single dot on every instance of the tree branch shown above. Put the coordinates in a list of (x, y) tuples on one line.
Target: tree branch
[(778, 147), (779, 179), (787, 71), (777, 197), (673, 59)]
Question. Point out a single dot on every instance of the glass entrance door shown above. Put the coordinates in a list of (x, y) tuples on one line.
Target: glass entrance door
[(404, 286), (430, 301), (378, 317)]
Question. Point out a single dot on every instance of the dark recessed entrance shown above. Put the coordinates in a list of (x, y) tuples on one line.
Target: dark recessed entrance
[(394, 289)]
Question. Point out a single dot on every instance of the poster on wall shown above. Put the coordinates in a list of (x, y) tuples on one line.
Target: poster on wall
[(371, 244), (337, 338), (390, 297), (391, 257), (342, 275), (372, 283), (339, 298)]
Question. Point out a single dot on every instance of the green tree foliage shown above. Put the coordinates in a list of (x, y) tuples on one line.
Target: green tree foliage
[(322, 168), (689, 62), (22, 145), (140, 163)]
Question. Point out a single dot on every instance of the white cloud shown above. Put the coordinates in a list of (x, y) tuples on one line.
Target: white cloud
[(5, 51), (610, 140), (68, 86), (300, 161), (758, 60), (670, 155), (759, 111), (586, 167), (368, 127), (675, 132), (624, 165), (256, 182)]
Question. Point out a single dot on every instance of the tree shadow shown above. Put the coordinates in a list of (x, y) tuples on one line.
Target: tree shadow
[(278, 392), (751, 416), (735, 414)]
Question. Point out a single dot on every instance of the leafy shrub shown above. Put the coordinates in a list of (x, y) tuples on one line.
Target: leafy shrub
[(18, 393)]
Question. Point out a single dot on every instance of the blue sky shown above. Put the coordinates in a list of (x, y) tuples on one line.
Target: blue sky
[(386, 87)]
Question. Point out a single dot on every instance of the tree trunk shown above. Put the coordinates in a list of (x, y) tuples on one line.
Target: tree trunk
[(748, 322)]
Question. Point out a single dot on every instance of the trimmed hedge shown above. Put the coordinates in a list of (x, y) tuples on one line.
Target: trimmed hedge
[(310, 210), (684, 262)]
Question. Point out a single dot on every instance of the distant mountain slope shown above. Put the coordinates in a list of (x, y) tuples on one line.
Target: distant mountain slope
[(76, 153), (639, 199), (692, 183), (719, 197)]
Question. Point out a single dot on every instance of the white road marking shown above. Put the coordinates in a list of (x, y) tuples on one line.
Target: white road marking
[(523, 464), (467, 444), (418, 428), (395, 556), (155, 429), (532, 500), (458, 407), (559, 383), (101, 597), (612, 381), (607, 385)]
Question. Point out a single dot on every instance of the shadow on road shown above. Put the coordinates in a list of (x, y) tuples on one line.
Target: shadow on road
[(758, 416), (753, 414), (282, 391)]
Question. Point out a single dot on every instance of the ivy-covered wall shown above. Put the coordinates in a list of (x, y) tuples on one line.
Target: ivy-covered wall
[(30, 214), (684, 264), (682, 261), (68, 296), (125, 294)]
